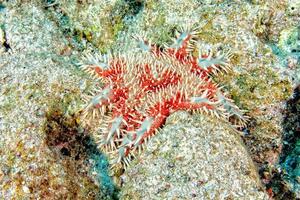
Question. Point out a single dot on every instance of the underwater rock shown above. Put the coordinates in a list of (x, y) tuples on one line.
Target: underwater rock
[(42, 156), (194, 157)]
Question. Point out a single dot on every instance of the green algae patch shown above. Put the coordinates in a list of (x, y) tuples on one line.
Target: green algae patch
[(289, 40), (95, 23), (205, 34), (258, 90), (256, 87)]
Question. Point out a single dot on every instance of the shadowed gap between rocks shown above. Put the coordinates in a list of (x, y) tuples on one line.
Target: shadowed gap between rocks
[(71, 144), (289, 162)]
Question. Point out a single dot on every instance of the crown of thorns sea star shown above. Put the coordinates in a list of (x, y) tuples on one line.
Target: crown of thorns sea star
[(141, 90)]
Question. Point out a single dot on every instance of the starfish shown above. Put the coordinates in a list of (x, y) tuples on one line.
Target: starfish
[(141, 90)]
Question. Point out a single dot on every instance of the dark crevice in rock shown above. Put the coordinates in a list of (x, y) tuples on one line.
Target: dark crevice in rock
[(124, 11), (285, 180), (57, 14), (4, 42), (135, 6), (291, 124), (71, 145)]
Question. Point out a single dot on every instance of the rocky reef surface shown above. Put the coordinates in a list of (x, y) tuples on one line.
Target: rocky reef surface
[(205, 159), (45, 152)]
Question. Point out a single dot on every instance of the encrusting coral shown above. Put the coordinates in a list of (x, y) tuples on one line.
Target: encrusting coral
[(141, 90)]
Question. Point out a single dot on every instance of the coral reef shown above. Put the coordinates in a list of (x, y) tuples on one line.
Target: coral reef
[(45, 153)]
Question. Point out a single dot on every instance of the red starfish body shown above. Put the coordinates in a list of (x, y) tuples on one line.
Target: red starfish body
[(142, 90)]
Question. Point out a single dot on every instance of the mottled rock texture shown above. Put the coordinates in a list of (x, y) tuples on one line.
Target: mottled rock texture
[(43, 152), (194, 157)]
